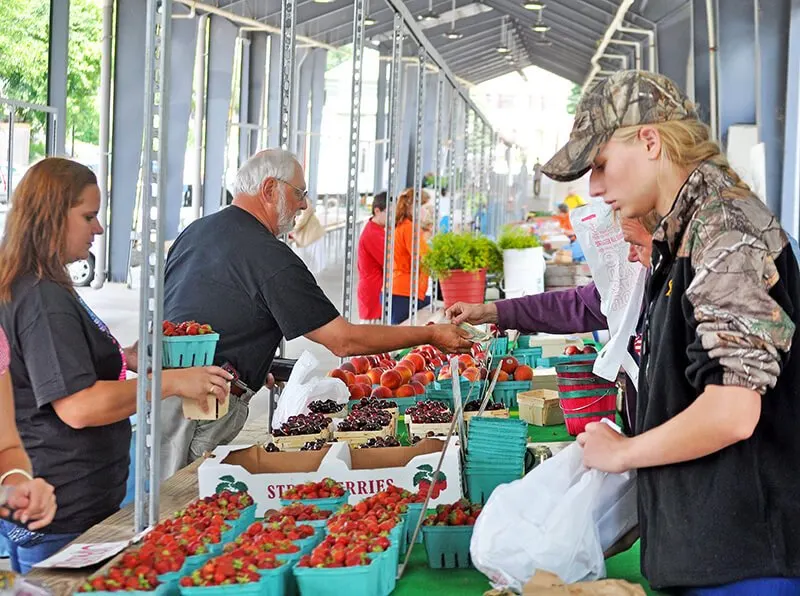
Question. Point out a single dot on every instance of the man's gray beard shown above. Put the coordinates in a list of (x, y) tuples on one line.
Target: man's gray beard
[(285, 219)]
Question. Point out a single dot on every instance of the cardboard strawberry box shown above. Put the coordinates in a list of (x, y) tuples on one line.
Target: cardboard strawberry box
[(215, 409), (364, 472)]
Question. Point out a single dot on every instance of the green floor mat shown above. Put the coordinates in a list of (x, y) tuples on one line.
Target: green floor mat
[(420, 580)]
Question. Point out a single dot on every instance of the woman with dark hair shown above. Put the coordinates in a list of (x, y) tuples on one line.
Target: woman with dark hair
[(403, 241), (71, 398)]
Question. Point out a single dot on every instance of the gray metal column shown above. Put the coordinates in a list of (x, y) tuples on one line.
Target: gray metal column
[(452, 134), (394, 131), (221, 48), (429, 127), (126, 152), (737, 68), (405, 158), (301, 136), (317, 103), (700, 52), (381, 148), (257, 91), (418, 176), (774, 18), (354, 138), (469, 174), (243, 149), (790, 202), (57, 56), (198, 121), (182, 46), (274, 94), (442, 149), (151, 298), (285, 131)]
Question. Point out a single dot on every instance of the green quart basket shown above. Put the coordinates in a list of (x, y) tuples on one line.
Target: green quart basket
[(189, 350), (352, 581), (448, 546)]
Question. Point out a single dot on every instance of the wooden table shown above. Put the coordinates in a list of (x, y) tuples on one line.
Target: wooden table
[(176, 493)]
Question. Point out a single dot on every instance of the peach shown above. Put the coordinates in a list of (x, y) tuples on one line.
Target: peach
[(392, 379), (366, 380), (405, 372), (419, 388), (421, 378), (348, 366), (466, 359), (509, 364), (405, 391), (338, 373), (417, 360), (429, 374), (471, 374), (572, 350), (374, 375), (523, 373), (357, 392), (350, 378), (445, 374), (361, 364), (382, 393)]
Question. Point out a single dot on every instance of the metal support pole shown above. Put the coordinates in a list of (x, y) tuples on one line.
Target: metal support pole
[(499, 207), (452, 185), (352, 173), (105, 129), (440, 148), (199, 114), (391, 195), (10, 163), (416, 236), (467, 170), (483, 182), (287, 72), (151, 305)]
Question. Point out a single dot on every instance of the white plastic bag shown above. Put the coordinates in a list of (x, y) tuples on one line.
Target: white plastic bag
[(560, 518), (619, 282), (303, 388)]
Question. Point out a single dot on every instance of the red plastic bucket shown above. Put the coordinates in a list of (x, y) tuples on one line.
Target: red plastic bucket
[(464, 286), (584, 397)]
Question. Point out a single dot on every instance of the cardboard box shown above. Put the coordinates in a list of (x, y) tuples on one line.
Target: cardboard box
[(544, 378), (363, 471), (216, 409)]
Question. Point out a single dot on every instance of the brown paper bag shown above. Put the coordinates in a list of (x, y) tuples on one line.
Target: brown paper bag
[(544, 583)]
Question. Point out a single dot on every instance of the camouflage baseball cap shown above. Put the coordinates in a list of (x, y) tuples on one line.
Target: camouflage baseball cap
[(626, 98)]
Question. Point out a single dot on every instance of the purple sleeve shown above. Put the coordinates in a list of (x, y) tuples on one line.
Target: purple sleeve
[(564, 311)]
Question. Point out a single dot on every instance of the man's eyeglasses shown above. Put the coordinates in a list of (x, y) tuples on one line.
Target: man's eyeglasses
[(303, 192)]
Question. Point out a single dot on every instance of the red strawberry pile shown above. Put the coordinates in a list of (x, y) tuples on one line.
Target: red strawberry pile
[(259, 545), (325, 489), (346, 550), (460, 513), (170, 329), (374, 516), (283, 530), (133, 572), (231, 569), (297, 512)]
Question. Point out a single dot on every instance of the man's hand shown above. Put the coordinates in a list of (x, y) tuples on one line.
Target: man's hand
[(33, 501), (132, 356), (451, 339), (475, 314), (604, 448)]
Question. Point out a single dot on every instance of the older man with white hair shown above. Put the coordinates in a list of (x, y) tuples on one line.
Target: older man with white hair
[(231, 270)]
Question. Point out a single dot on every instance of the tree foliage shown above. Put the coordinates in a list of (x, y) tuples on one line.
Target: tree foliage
[(573, 99), (24, 37)]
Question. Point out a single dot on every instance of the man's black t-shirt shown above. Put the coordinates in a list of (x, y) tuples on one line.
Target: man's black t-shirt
[(231, 272), (57, 350)]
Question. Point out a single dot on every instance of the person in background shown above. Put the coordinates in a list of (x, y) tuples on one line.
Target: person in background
[(32, 500), (403, 241), (307, 235), (576, 310), (563, 219), (573, 200), (371, 248), (716, 444), (230, 270), (72, 402)]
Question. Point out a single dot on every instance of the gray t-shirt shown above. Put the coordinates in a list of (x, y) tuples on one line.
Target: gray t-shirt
[(57, 350), (228, 270)]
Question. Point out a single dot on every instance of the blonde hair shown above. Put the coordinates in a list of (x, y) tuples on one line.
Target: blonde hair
[(687, 143)]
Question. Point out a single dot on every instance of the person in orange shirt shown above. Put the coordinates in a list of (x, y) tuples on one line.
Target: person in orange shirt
[(403, 236)]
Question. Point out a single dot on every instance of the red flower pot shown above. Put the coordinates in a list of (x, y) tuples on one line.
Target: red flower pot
[(464, 286)]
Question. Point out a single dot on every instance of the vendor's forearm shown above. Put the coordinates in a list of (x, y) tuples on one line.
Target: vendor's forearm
[(720, 417), (376, 339), (566, 311)]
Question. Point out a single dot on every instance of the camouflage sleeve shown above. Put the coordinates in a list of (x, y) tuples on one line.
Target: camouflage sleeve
[(740, 328)]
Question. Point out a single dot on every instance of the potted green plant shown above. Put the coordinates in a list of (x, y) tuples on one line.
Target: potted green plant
[(460, 263), (523, 262)]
